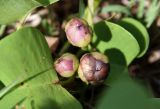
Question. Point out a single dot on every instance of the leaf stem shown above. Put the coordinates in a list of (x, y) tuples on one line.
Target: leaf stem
[(2, 29), (90, 48), (64, 48), (91, 6), (22, 21)]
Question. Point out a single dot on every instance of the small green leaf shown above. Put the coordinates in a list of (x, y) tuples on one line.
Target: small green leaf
[(12, 10), (25, 59), (88, 16), (96, 3), (138, 31), (152, 12), (81, 8), (141, 7), (116, 8)]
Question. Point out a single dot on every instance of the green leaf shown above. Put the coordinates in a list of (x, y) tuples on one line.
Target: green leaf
[(121, 47), (112, 36), (124, 93), (155, 103), (81, 8), (152, 12), (138, 31), (118, 44), (26, 59), (131, 3), (141, 7), (12, 10), (96, 4), (88, 16), (116, 8)]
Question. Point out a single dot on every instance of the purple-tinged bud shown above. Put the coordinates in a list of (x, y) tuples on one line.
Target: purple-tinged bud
[(93, 68), (78, 32), (66, 65)]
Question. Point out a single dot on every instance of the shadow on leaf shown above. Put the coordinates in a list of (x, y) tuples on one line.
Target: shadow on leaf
[(117, 63), (102, 30), (49, 104), (138, 31)]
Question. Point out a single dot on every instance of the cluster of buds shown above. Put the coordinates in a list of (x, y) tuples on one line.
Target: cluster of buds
[(93, 67)]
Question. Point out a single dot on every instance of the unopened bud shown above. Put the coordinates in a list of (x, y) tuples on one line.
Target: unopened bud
[(93, 68), (78, 32), (66, 65)]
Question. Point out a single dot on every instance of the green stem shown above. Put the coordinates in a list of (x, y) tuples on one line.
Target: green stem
[(90, 48), (2, 29), (85, 48), (79, 53), (64, 48), (68, 81), (22, 21), (82, 50), (91, 12), (91, 6)]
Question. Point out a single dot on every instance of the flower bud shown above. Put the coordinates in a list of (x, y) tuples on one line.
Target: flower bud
[(66, 65), (78, 32), (93, 68)]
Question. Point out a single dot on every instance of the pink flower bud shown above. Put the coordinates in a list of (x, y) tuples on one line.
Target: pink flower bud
[(94, 68), (78, 32), (66, 65)]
